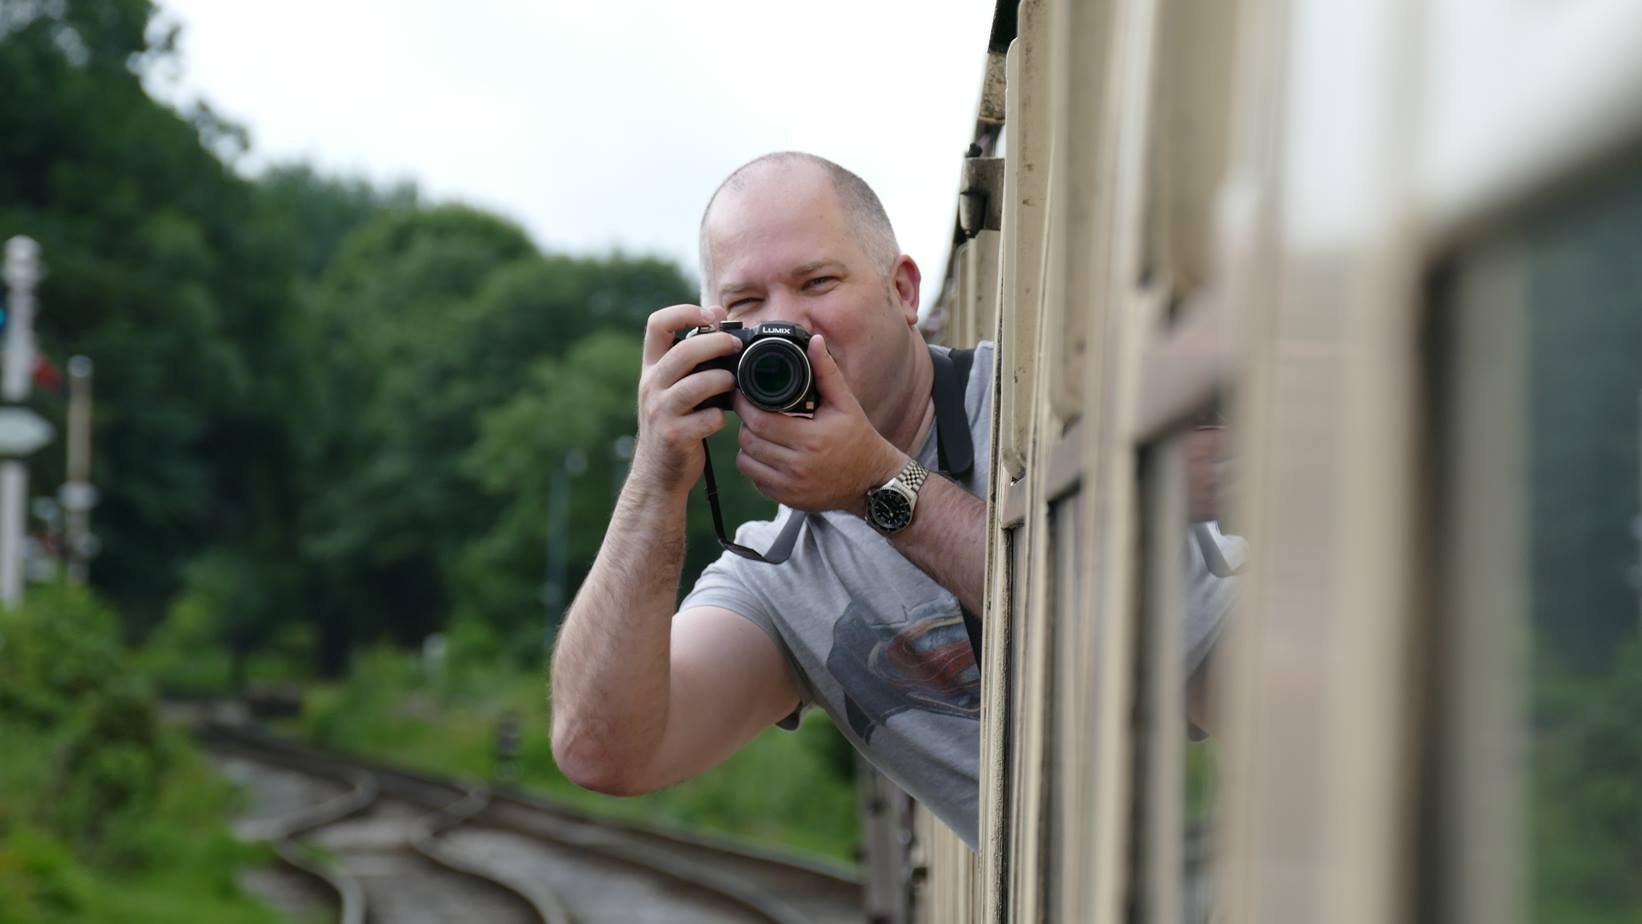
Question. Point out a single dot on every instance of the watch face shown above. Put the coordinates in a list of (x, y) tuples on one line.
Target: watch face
[(889, 510)]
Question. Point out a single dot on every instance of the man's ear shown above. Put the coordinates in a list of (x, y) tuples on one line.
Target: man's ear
[(905, 280)]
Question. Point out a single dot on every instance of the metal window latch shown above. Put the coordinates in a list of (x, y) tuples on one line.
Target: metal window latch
[(980, 195)]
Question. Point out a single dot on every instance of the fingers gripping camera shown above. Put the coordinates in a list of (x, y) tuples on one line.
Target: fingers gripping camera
[(772, 368)]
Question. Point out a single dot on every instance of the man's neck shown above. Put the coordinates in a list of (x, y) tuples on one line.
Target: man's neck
[(924, 427), (914, 417)]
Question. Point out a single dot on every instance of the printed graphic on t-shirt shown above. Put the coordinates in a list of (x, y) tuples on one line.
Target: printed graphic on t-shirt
[(921, 661)]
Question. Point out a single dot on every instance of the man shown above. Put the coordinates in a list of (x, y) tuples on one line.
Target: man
[(862, 622), (643, 698)]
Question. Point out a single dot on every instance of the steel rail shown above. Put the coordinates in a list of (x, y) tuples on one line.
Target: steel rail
[(653, 852), (366, 791), (350, 895), (281, 833), (547, 903)]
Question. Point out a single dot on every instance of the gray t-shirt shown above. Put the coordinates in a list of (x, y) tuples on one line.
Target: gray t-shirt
[(874, 641)]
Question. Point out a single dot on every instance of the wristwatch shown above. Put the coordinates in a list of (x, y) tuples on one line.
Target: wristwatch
[(889, 508)]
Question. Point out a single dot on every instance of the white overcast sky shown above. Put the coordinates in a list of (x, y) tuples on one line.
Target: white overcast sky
[(600, 124)]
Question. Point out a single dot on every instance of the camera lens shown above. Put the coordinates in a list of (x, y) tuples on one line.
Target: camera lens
[(774, 374)]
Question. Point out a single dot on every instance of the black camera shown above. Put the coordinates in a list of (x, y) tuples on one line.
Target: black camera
[(772, 368)]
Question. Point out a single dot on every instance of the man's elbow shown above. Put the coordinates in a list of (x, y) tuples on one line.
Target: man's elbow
[(604, 779), (590, 765)]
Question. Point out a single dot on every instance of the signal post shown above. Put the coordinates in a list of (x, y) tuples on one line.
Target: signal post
[(22, 431)]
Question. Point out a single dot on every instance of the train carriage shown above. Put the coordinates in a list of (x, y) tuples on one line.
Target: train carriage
[(1375, 267)]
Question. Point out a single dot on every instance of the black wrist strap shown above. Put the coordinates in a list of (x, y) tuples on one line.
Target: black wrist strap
[(954, 448)]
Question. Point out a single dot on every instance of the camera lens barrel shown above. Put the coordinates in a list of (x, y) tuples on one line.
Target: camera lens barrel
[(774, 373)]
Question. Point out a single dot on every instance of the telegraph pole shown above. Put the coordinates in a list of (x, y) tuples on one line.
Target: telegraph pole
[(21, 430), (77, 494)]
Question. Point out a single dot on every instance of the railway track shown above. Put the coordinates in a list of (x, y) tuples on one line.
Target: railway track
[(413, 847)]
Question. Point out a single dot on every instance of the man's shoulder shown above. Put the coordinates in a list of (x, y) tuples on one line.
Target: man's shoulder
[(754, 530), (758, 535), (984, 352), (731, 582), (981, 347), (981, 357), (979, 391)]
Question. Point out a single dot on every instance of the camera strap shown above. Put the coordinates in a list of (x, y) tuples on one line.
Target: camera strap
[(956, 456), (954, 449), (778, 553)]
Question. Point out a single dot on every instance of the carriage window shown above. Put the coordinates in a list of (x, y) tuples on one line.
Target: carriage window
[(1583, 722), (1213, 557), (1191, 561), (1067, 605), (1542, 436)]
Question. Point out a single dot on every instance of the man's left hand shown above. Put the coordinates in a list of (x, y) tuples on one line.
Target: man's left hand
[(826, 462)]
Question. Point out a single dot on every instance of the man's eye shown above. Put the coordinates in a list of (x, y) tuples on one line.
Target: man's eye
[(820, 282), (743, 303)]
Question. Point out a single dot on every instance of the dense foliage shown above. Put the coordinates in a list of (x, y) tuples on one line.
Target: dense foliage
[(105, 813), (328, 414), (158, 269), (329, 417)]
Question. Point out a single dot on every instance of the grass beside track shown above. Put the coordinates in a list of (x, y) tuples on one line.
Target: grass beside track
[(792, 791)]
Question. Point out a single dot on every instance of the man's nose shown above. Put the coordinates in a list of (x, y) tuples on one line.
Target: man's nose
[(781, 305)]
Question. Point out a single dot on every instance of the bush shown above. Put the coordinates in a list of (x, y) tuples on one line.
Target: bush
[(55, 650), (39, 878), (65, 682), (105, 814), (217, 638)]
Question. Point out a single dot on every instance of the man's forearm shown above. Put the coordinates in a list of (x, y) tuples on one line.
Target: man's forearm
[(610, 676), (947, 540)]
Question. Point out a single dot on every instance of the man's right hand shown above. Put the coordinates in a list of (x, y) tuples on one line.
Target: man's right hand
[(668, 457)]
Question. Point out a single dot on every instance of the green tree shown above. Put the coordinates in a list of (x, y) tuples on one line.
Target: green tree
[(581, 403), (160, 270), (425, 321), (383, 502), (316, 213), (292, 371)]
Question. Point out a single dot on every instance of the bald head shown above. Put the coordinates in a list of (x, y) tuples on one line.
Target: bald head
[(862, 212)]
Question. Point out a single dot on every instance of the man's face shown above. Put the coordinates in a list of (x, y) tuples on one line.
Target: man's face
[(782, 251)]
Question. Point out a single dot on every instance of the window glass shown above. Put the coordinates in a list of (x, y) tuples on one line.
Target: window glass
[(1192, 561), (1583, 291), (1212, 560), (1066, 602)]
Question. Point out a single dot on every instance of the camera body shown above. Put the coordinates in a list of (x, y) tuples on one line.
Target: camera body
[(772, 368)]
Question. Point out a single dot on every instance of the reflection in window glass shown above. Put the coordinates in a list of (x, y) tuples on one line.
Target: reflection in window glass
[(1202, 799), (1211, 559), (1584, 294)]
